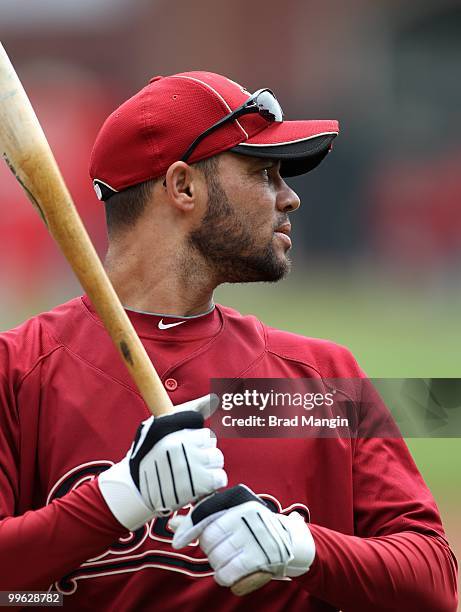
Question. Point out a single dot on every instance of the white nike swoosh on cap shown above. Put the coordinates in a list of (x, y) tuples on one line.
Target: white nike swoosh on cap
[(162, 325)]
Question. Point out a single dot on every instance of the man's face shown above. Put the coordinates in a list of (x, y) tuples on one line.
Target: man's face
[(243, 233)]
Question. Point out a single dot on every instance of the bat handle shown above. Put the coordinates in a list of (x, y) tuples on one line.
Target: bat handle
[(250, 583)]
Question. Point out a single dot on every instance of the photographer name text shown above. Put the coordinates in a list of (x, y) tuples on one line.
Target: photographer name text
[(275, 421)]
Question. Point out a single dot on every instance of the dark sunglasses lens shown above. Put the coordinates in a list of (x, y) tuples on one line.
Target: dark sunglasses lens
[(269, 107)]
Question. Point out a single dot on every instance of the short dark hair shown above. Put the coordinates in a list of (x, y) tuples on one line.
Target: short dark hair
[(123, 209)]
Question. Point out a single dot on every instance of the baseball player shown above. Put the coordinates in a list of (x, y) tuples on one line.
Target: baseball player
[(121, 511)]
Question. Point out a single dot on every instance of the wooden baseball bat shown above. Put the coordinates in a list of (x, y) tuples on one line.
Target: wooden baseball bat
[(26, 151)]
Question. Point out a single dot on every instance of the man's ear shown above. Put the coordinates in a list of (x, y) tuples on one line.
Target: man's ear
[(180, 184)]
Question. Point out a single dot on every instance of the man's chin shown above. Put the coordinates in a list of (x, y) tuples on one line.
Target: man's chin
[(261, 271), (282, 272)]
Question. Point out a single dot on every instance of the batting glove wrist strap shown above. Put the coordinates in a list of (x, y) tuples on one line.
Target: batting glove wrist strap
[(173, 461), (303, 544), (125, 502)]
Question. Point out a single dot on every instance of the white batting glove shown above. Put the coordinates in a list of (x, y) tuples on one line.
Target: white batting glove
[(241, 535), (173, 461)]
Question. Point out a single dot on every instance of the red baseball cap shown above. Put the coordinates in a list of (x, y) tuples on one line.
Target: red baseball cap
[(153, 129)]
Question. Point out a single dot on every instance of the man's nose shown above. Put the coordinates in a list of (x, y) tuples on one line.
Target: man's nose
[(287, 199)]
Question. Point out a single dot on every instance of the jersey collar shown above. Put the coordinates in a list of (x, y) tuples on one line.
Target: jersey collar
[(170, 327)]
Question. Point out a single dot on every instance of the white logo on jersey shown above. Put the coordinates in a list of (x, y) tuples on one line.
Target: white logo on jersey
[(147, 547), (162, 325)]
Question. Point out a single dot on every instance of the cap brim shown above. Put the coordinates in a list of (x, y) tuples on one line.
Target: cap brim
[(299, 145)]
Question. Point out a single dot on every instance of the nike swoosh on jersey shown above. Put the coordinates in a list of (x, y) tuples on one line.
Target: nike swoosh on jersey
[(162, 325)]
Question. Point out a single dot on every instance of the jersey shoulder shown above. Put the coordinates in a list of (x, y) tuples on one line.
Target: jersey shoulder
[(22, 347), (327, 358), (241, 324)]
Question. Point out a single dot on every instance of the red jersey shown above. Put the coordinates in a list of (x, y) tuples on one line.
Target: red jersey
[(69, 410)]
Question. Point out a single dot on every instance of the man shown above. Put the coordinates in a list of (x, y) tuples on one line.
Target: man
[(191, 173)]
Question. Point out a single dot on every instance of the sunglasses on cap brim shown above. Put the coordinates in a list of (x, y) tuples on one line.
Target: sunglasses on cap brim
[(262, 102)]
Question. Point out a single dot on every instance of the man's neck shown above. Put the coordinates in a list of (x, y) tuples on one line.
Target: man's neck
[(147, 284)]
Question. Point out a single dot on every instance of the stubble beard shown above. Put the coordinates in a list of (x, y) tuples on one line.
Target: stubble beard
[(228, 246)]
